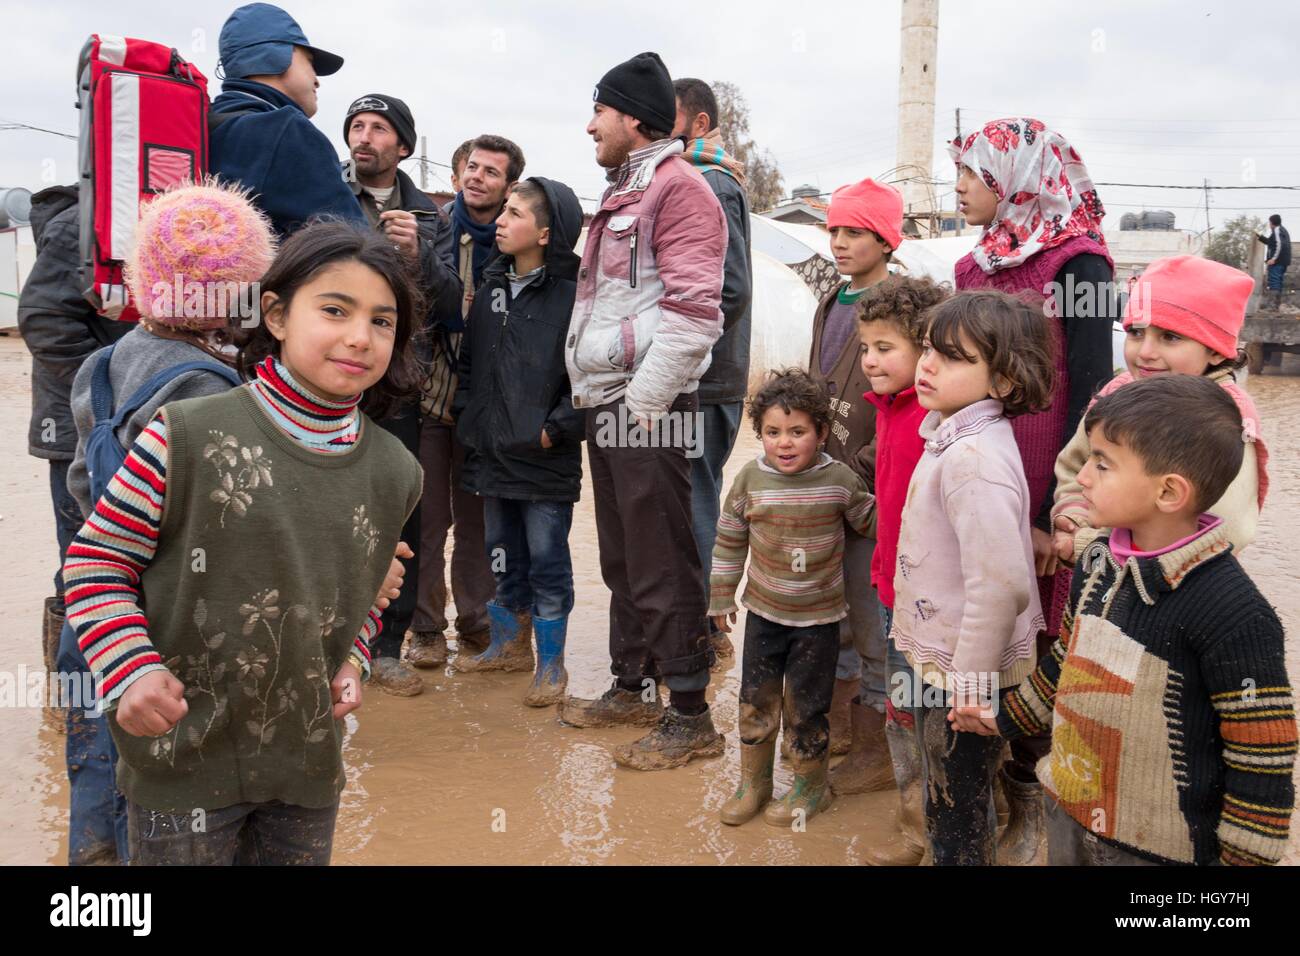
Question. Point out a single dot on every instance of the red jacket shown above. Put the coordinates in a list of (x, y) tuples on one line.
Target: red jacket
[(899, 447)]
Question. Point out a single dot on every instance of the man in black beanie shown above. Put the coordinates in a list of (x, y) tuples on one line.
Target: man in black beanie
[(380, 132), (646, 316)]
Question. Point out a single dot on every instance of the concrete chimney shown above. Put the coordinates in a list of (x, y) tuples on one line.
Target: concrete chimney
[(916, 78)]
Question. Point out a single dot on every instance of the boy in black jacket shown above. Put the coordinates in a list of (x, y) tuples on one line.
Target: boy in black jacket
[(515, 417)]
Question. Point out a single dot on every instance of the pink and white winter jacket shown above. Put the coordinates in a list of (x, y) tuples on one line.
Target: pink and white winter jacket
[(648, 310)]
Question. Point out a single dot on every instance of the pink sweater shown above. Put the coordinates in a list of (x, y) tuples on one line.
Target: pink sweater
[(966, 601)]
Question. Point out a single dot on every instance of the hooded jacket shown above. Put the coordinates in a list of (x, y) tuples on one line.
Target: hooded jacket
[(263, 140), (61, 329), (512, 382), (727, 378)]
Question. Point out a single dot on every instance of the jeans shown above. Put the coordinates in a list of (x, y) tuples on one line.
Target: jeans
[(957, 776), (245, 834), (900, 679), (67, 516), (1069, 843), (719, 425), (1275, 274), (96, 808), (528, 547), (788, 671), (862, 642), (397, 617)]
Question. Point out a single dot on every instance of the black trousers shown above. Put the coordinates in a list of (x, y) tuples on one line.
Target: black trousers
[(397, 617), (788, 671)]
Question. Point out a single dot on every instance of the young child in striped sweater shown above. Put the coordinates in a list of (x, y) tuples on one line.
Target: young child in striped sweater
[(1166, 694), (789, 507)]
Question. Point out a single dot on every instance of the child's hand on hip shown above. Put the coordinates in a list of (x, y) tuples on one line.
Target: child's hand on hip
[(152, 705), (720, 622), (345, 689), (392, 586)]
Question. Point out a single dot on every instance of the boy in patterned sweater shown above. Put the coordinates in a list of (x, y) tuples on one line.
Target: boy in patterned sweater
[(1172, 719), (788, 507)]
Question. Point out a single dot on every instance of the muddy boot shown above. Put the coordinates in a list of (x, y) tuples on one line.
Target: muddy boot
[(510, 647), (52, 627), (550, 679), (1000, 806), (472, 642), (395, 677), (910, 845), (617, 707), (755, 788), (1020, 841), (810, 795), (427, 649), (846, 690), (867, 768), (676, 740)]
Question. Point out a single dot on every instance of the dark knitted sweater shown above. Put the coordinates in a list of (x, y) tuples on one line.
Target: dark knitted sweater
[(1172, 719)]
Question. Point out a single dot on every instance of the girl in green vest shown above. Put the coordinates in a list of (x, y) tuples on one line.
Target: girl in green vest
[(223, 589)]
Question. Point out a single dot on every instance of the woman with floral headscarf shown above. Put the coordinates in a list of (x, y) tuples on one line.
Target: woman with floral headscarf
[(1029, 189)]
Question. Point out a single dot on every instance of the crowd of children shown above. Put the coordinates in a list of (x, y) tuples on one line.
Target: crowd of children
[(1037, 563)]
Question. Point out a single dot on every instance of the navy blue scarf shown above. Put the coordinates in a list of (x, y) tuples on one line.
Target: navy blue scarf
[(484, 236)]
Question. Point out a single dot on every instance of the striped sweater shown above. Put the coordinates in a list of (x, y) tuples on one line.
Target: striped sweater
[(794, 525), (107, 558), (1166, 694)]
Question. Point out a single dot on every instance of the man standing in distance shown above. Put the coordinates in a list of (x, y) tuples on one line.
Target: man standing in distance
[(646, 315), (380, 132)]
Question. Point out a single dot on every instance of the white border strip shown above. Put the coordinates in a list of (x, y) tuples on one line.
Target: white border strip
[(124, 184)]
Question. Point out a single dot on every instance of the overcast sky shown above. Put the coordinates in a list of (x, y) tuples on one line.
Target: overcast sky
[(1148, 92)]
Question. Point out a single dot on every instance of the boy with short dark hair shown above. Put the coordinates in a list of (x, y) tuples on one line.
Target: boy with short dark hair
[(515, 417), (1166, 693)]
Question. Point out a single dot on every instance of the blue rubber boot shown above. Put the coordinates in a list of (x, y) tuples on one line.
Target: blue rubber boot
[(510, 646), (550, 679)]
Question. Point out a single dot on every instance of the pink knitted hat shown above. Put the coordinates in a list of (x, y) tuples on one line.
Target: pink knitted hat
[(198, 250), (1193, 297), (868, 205)]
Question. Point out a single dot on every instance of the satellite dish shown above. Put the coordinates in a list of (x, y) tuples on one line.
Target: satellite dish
[(15, 206)]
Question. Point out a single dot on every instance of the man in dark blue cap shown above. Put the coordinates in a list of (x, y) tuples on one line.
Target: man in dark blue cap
[(262, 134)]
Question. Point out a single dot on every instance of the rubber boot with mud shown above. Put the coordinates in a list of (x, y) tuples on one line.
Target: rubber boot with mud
[(810, 795), (550, 680), (51, 628), (427, 649), (510, 646), (1024, 833), (867, 768), (755, 788), (617, 707), (909, 845), (395, 677), (846, 690), (676, 740)]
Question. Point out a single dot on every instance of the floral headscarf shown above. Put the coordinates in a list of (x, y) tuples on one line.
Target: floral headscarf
[(1045, 195)]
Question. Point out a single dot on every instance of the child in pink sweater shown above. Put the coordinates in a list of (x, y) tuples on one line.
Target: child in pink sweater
[(966, 606)]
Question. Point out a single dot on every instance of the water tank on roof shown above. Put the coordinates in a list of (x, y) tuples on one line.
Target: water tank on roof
[(15, 206), (805, 192), (1128, 222), (1161, 219)]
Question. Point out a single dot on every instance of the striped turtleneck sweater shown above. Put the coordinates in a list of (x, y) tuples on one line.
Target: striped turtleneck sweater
[(106, 560)]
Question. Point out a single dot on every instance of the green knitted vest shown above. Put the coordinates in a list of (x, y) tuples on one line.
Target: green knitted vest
[(269, 558)]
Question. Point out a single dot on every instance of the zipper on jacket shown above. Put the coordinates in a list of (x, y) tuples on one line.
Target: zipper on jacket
[(632, 266)]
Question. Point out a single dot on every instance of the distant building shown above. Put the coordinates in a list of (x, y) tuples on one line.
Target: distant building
[(1147, 236), (804, 206)]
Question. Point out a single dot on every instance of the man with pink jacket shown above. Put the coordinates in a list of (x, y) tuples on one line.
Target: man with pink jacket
[(645, 319)]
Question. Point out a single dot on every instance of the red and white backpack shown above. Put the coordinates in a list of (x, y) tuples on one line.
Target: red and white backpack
[(144, 127)]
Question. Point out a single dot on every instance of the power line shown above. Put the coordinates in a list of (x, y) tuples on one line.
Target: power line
[(8, 125)]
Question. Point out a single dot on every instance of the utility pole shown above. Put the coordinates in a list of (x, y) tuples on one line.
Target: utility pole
[(961, 220), (424, 163), (1207, 211), (959, 124)]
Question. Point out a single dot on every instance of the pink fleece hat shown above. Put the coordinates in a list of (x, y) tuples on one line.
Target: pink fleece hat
[(1196, 298), (198, 250), (868, 205)]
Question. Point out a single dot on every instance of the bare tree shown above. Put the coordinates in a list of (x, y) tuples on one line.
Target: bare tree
[(763, 181), (1231, 242)]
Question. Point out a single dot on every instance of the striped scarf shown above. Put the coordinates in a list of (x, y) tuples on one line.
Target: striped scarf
[(708, 151)]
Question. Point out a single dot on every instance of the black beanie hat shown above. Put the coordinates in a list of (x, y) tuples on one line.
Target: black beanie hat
[(641, 88), (392, 109)]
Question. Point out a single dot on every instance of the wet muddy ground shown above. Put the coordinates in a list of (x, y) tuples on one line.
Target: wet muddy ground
[(464, 773)]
